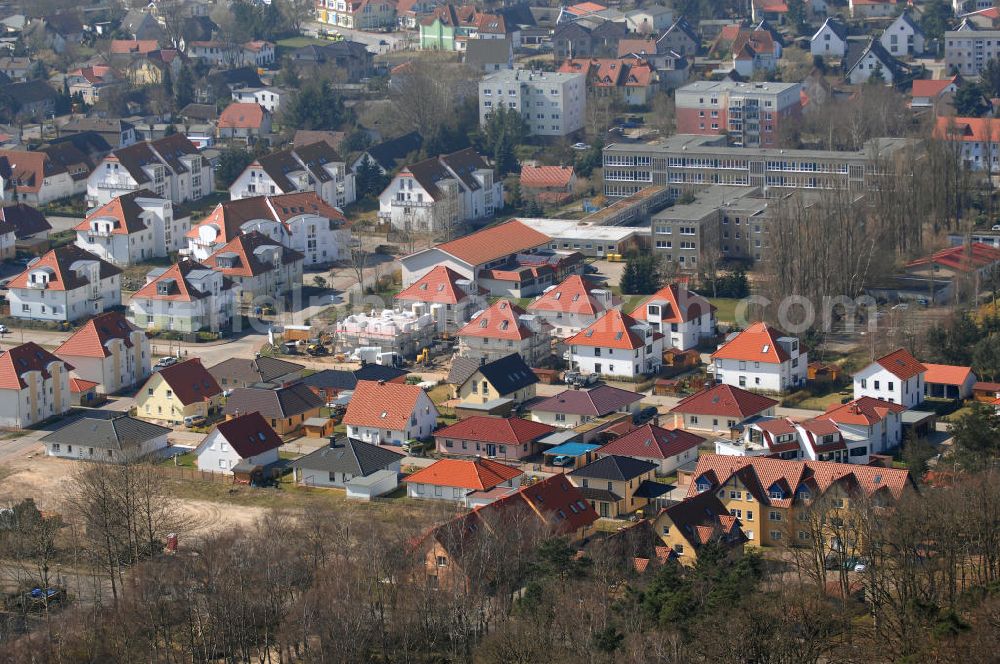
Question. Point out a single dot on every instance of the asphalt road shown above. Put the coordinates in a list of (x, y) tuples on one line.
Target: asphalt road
[(377, 42)]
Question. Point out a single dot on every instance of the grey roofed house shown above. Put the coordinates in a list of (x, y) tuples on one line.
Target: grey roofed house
[(90, 143), (614, 467), (27, 220), (490, 54), (281, 403), (856, 51), (597, 401), (462, 369), (119, 434), (140, 24), (243, 372), (346, 455), (389, 154), (202, 112), (341, 379)]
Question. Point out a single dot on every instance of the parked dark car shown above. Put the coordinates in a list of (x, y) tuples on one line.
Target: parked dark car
[(645, 415)]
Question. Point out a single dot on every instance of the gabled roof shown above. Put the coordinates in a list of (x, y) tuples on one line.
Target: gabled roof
[(901, 364), (18, 360), (228, 217), (702, 517), (92, 339), (725, 401), (27, 221), (500, 321), (499, 430), (383, 405), (835, 26), (757, 343), (611, 72), (240, 115), (596, 402), (439, 286), (261, 369), (946, 374), (181, 289), (857, 51), (652, 442), (349, 456), (962, 259), (933, 87), (677, 305), (541, 177), (460, 165), (130, 46), (479, 52), (864, 411), (614, 467), (612, 330), (124, 210), (249, 435), (248, 261), (477, 474), (340, 379), (28, 170), (59, 263), (277, 403), (572, 296), (119, 433), (389, 153), (490, 244), (190, 381), (508, 374)]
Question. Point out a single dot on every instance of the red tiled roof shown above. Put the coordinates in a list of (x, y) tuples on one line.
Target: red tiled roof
[(229, 216), (239, 115), (612, 330), (92, 339), (726, 401), (439, 286), (124, 210), (771, 6), (79, 385), (967, 129), (181, 290), (582, 8), (757, 343), (946, 374), (652, 442), (572, 296), (500, 430), (27, 169), (59, 263), (864, 411), (248, 262), (382, 405), (677, 305), (541, 177), (931, 87), (142, 46), (249, 434), (500, 321), (478, 474), (984, 386), (960, 258), (901, 364), (495, 242), (190, 381), (17, 361), (611, 72)]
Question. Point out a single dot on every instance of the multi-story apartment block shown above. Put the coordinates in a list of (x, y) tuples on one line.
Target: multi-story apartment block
[(357, 14), (975, 140), (685, 162), (750, 114), (259, 266), (315, 167), (435, 194), (170, 167), (65, 284), (968, 49), (132, 228), (682, 316), (186, 297), (34, 386), (446, 295), (502, 329), (108, 351), (617, 345), (551, 103), (300, 221)]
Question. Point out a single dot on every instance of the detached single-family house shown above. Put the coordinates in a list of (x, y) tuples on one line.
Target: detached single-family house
[(761, 358), (720, 409), (872, 8), (328, 384), (109, 351), (867, 426), (34, 386), (863, 61), (132, 228), (389, 413), (187, 297), (573, 305), (548, 184), (897, 378), (464, 480), (616, 485), (682, 316), (365, 471), (315, 167), (37, 178), (171, 167), (617, 345), (927, 93), (244, 372), (239, 445), (508, 378), (903, 37), (946, 381), (830, 41), (667, 448), (494, 437), (286, 407), (174, 393), (113, 439), (65, 284), (242, 121), (571, 408)]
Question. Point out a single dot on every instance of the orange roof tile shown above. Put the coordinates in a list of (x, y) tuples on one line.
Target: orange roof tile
[(677, 305), (757, 343), (382, 405), (59, 264), (967, 129), (124, 210), (541, 177), (17, 361), (572, 296), (142, 46), (901, 364), (726, 401), (946, 374), (500, 430), (612, 330), (240, 115), (500, 321), (439, 286), (962, 259), (79, 385), (248, 262), (495, 242), (92, 339), (932, 87), (864, 411), (478, 474)]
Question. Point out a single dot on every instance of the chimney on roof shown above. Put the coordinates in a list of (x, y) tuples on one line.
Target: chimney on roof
[(381, 381)]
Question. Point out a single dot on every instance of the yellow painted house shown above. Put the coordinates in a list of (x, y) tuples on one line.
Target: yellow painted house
[(617, 485), (183, 390), (507, 378), (687, 526)]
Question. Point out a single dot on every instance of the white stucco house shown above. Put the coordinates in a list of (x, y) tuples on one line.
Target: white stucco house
[(830, 41), (301, 221), (34, 386), (436, 193), (761, 358), (314, 167), (467, 482), (65, 284), (109, 351), (682, 316), (384, 413), (572, 305), (862, 62), (895, 378), (170, 167), (132, 228), (903, 37), (268, 98), (258, 266), (113, 439), (186, 297), (239, 443), (617, 345)]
